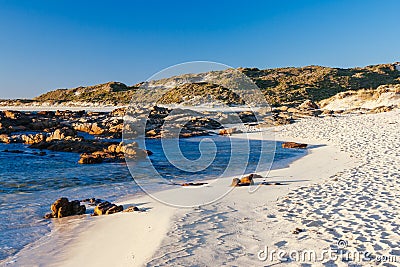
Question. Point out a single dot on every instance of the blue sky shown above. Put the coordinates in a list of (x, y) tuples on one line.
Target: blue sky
[(61, 44)]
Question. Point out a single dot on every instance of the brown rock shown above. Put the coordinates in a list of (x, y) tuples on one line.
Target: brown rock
[(91, 128), (247, 180), (4, 138), (228, 131), (119, 112), (102, 208), (90, 159), (131, 209), (63, 208), (107, 208), (96, 130), (115, 209), (298, 231), (33, 138), (293, 145), (59, 203), (235, 182), (77, 208), (151, 133), (60, 134), (10, 114)]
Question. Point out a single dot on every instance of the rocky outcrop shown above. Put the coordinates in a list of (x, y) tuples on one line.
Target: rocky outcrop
[(62, 207), (90, 159), (64, 133), (4, 138), (79, 145), (33, 138), (119, 112), (293, 145), (163, 123), (91, 128), (114, 152)]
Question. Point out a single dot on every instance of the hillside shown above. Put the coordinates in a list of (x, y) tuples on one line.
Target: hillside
[(294, 85), (281, 86), (110, 93)]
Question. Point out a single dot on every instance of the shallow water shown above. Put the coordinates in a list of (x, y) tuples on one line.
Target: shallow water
[(29, 182)]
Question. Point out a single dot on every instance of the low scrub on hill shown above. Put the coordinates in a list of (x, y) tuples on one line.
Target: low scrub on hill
[(280, 86)]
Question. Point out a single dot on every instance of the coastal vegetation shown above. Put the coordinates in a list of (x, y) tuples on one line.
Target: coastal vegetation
[(289, 86)]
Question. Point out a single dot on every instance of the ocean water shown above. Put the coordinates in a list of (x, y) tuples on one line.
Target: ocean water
[(30, 183)]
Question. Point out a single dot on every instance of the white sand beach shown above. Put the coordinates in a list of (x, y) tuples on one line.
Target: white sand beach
[(345, 189)]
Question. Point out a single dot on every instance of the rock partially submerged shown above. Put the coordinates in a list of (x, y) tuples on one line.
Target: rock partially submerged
[(293, 145), (78, 146), (114, 153), (62, 207)]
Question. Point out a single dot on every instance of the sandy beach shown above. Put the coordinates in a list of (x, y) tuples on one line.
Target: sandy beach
[(344, 189), (191, 134)]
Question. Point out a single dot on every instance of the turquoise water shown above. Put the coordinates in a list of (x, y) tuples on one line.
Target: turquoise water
[(30, 182)]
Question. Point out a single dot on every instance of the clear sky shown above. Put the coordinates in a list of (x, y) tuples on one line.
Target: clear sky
[(49, 44)]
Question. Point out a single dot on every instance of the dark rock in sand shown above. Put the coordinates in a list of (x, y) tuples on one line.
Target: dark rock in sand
[(114, 209), (298, 230), (293, 145), (107, 208), (235, 182), (193, 184), (131, 209), (247, 180)]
